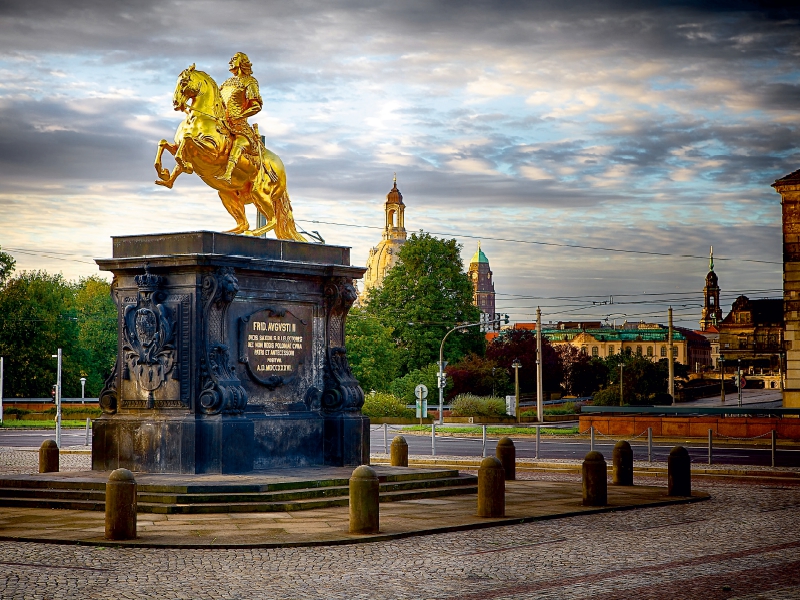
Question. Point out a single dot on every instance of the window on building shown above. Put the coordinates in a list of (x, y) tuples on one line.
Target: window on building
[(595, 351), (742, 342), (649, 351), (674, 351), (611, 350), (663, 351), (583, 349), (639, 350)]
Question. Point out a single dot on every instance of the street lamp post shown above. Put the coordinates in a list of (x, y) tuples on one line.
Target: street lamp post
[(443, 363), (516, 365), (739, 378), (83, 390), (722, 377), (58, 399), (621, 365)]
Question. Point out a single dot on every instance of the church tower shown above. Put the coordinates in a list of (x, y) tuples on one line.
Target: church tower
[(712, 313), (480, 274), (384, 256)]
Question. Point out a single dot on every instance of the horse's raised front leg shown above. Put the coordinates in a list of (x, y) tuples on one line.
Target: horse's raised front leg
[(170, 180), (235, 206), (172, 149)]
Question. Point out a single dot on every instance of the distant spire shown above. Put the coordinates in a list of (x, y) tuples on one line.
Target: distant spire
[(711, 259), (479, 244), (395, 179)]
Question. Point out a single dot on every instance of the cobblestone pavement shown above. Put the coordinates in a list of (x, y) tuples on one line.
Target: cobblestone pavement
[(741, 544)]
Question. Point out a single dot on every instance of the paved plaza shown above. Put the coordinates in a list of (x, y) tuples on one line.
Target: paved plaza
[(743, 543)]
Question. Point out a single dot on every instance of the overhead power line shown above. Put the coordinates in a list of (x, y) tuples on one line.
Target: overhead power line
[(556, 244)]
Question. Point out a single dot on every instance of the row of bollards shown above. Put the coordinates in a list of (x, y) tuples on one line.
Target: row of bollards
[(495, 471), (364, 486)]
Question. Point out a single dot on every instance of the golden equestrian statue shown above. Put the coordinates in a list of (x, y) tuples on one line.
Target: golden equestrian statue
[(216, 142)]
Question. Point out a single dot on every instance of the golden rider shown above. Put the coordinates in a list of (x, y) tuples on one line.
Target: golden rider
[(242, 100)]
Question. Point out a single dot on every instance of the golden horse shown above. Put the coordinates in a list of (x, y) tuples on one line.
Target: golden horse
[(202, 144)]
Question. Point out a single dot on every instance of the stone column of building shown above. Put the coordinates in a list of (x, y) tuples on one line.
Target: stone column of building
[(789, 189), (480, 274)]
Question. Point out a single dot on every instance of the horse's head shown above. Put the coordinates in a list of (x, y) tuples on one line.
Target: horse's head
[(187, 88)]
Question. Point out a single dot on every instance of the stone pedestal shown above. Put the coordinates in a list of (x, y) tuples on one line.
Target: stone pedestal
[(231, 357)]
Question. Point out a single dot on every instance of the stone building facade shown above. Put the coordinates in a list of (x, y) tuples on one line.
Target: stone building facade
[(789, 189), (753, 332), (384, 256)]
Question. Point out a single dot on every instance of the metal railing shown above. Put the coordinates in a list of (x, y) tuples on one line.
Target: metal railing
[(689, 410), (593, 435)]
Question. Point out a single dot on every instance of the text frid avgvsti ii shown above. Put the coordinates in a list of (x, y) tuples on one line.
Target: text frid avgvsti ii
[(274, 345)]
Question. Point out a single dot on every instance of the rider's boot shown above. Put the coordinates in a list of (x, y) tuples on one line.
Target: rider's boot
[(236, 153)]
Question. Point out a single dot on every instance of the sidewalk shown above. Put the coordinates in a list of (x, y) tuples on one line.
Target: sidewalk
[(526, 501)]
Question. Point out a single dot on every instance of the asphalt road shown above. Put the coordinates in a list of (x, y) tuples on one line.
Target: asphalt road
[(473, 447)]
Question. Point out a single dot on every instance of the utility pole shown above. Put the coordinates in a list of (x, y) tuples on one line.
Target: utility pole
[(671, 359), (722, 378), (1, 389), (539, 382), (621, 365)]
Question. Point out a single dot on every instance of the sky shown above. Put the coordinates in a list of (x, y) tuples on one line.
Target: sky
[(596, 149)]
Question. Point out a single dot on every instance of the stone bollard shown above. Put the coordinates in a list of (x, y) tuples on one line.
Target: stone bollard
[(679, 469), (364, 498), (507, 455), (595, 480), (48, 457), (491, 488), (623, 464), (399, 451), (121, 506)]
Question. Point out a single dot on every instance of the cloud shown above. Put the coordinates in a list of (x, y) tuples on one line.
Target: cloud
[(608, 124)]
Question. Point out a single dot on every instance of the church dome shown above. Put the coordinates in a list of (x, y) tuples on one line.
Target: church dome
[(711, 279)]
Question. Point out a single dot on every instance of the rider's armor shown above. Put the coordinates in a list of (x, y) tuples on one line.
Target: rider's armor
[(238, 94)]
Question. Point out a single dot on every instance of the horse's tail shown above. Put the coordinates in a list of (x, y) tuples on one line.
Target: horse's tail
[(284, 227)]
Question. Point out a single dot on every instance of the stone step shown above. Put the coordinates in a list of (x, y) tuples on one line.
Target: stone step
[(286, 499)]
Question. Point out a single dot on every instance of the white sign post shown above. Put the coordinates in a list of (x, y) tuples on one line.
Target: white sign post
[(421, 392)]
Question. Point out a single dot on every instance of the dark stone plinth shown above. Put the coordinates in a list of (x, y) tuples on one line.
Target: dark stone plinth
[(231, 357)]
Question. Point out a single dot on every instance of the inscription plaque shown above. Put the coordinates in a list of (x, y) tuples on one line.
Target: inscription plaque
[(274, 343)]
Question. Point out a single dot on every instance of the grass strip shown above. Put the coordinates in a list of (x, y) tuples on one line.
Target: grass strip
[(65, 424), (478, 431)]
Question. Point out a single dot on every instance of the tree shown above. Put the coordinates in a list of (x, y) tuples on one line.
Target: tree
[(371, 351), (521, 344), (480, 376), (423, 296), (583, 376), (36, 318), (7, 264), (403, 387), (97, 331), (642, 379)]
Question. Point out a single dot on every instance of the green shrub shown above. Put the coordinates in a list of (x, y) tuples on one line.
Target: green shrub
[(381, 404), (568, 408), (468, 405), (607, 397)]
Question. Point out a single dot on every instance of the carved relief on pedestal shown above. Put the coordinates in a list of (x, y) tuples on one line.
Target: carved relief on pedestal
[(342, 390), (221, 391)]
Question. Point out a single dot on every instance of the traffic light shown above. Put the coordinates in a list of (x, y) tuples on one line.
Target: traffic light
[(506, 320), (443, 380)]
